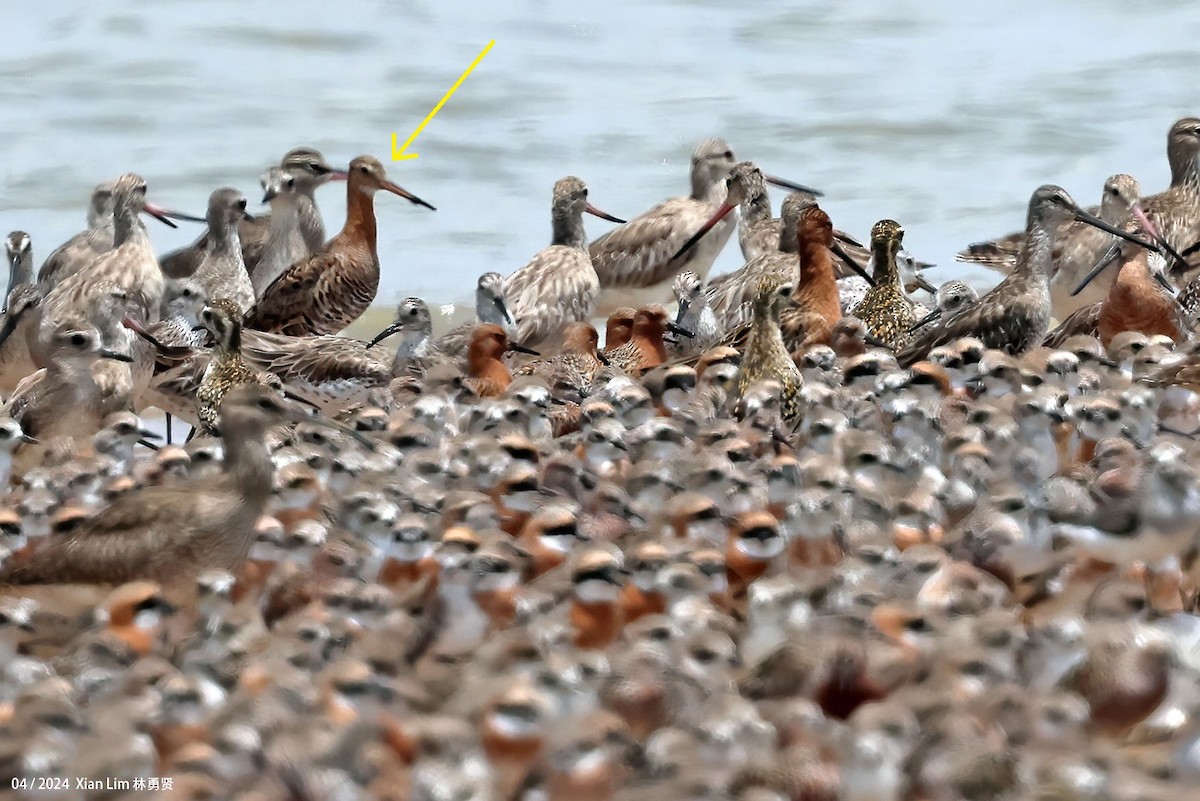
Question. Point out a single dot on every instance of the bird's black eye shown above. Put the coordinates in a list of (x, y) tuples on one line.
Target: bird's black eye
[(315, 166), (265, 403), (728, 154), (364, 168), (242, 204), (290, 182), (78, 339)]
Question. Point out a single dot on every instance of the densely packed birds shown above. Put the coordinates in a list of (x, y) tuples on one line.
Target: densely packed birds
[(799, 537)]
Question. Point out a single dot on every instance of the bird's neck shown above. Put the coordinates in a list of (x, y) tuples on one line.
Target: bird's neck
[(756, 208), (568, 229), (125, 226), (360, 228), (886, 271), (312, 227), (1039, 246), (249, 470), (224, 238), (1185, 169), (413, 345), (816, 266)]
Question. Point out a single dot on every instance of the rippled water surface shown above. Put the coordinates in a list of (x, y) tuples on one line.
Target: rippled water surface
[(944, 115)]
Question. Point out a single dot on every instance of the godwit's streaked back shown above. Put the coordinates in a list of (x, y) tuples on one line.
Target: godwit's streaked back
[(332, 289), (559, 285), (634, 261)]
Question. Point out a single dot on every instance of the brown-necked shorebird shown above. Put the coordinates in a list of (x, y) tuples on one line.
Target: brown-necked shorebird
[(19, 251), (221, 270), (172, 533), (730, 295), (576, 365), (559, 285), (332, 289), (635, 261), (1015, 316), (886, 311), (645, 349), (1140, 298), (226, 368), (815, 306), (487, 375), (308, 170)]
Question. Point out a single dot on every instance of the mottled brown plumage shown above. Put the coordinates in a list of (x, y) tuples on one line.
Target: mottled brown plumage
[(885, 310), (227, 368), (645, 349), (170, 534), (765, 357), (332, 289)]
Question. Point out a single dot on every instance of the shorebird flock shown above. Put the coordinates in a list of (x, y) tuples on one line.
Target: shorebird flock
[(813, 529)]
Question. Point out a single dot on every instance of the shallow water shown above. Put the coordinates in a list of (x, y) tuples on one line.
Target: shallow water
[(941, 114)]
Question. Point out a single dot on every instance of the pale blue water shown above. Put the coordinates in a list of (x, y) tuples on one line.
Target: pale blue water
[(942, 114)]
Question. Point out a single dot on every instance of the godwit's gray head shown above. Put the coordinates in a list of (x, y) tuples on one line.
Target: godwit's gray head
[(100, 207), (711, 162), (490, 306), (1183, 148), (309, 168), (129, 200), (226, 206), (1052, 205), (367, 175), (570, 199), (278, 183)]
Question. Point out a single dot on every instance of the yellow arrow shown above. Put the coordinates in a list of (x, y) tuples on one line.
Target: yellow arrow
[(398, 154)]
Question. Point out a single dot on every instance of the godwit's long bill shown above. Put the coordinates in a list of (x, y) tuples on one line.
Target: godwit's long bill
[(634, 262), (723, 211)]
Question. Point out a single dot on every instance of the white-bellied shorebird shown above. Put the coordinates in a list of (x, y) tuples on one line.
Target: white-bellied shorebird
[(19, 252), (559, 285), (693, 314), (285, 243), (490, 307), (634, 262), (333, 288)]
